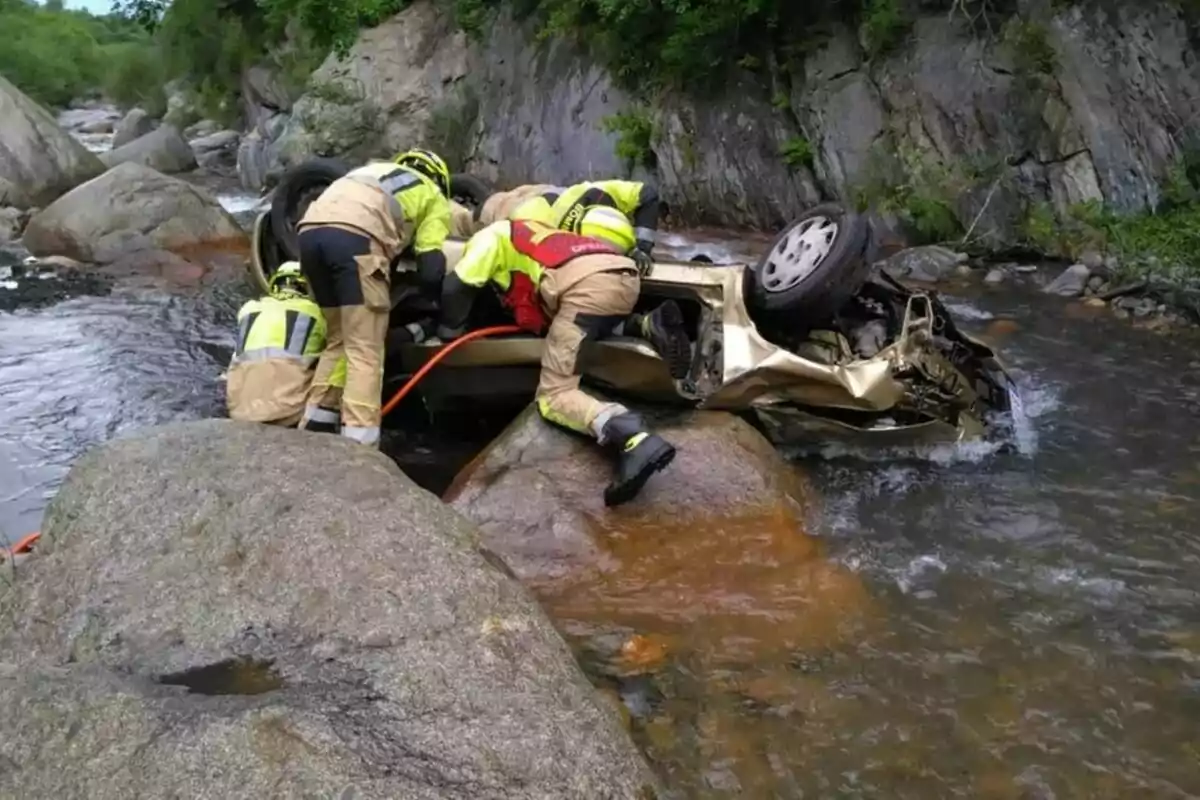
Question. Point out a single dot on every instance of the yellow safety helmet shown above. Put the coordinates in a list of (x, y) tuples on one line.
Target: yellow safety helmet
[(289, 278), (607, 225), (429, 164)]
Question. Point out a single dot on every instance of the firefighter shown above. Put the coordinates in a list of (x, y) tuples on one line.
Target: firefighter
[(636, 200), (280, 337), (349, 237), (581, 288)]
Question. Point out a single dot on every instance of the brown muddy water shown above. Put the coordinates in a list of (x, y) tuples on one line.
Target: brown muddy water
[(973, 624)]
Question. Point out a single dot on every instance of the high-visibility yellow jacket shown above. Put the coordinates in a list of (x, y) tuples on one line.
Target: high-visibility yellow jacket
[(636, 200), (396, 206), (514, 255), (280, 338)]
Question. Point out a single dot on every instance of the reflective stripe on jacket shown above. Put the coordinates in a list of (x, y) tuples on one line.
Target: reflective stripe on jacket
[(285, 326), (634, 199), (394, 205)]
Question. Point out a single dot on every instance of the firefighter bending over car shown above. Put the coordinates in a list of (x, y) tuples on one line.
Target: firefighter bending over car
[(349, 237), (280, 338), (636, 200), (587, 286)]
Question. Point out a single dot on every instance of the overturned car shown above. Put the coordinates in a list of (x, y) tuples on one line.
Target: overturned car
[(809, 343)]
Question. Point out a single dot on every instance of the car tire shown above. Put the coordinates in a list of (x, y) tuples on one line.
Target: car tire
[(470, 191), (267, 254), (298, 187), (812, 269)]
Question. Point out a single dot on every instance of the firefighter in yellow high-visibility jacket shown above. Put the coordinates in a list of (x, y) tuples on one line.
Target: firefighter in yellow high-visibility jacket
[(280, 337)]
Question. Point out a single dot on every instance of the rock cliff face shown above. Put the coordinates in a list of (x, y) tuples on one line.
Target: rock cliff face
[(1085, 104)]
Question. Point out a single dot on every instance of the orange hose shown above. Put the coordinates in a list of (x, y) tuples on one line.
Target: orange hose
[(482, 333), (23, 545)]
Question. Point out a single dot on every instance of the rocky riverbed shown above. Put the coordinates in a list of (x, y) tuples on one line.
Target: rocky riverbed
[(964, 621)]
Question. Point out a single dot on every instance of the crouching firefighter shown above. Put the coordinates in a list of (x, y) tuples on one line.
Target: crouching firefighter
[(636, 200), (280, 337), (349, 237), (587, 287)]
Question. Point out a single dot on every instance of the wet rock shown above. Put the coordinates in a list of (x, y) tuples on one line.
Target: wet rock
[(163, 149), (1096, 284), (38, 159), (217, 151), (201, 129), (930, 263), (1070, 283), (99, 126), (38, 285), (264, 94), (134, 125), (1145, 307), (12, 222), (995, 277), (258, 158), (728, 499), (131, 207), (1094, 302), (212, 621), (1092, 259)]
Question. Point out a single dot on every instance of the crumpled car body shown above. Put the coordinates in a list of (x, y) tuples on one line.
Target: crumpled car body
[(920, 380)]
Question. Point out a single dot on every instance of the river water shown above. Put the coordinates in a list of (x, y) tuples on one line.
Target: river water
[(1034, 628)]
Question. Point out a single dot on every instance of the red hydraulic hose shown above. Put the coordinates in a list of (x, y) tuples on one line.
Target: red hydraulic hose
[(23, 545), (482, 333)]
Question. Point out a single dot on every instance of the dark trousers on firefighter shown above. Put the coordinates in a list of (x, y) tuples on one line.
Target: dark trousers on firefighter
[(586, 298), (348, 273)]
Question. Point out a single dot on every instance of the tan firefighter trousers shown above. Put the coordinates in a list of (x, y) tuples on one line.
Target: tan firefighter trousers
[(587, 298), (348, 272)]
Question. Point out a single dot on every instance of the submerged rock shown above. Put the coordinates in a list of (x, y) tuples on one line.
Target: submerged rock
[(38, 159), (134, 125), (40, 284), (928, 263), (1070, 283), (714, 549), (163, 149), (211, 620), (131, 207)]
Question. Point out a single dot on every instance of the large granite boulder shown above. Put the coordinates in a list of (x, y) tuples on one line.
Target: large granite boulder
[(129, 208), (38, 159), (232, 610), (714, 547), (163, 149), (134, 125)]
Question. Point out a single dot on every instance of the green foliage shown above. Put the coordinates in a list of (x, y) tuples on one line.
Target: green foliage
[(635, 137), (797, 152), (1163, 244), (918, 190), (55, 56), (472, 15), (130, 78), (883, 26), (1029, 43), (332, 25)]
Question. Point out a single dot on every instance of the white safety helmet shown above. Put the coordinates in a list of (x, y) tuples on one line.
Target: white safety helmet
[(608, 225)]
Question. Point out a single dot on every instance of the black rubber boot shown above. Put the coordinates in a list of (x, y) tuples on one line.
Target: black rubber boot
[(663, 328), (640, 454)]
